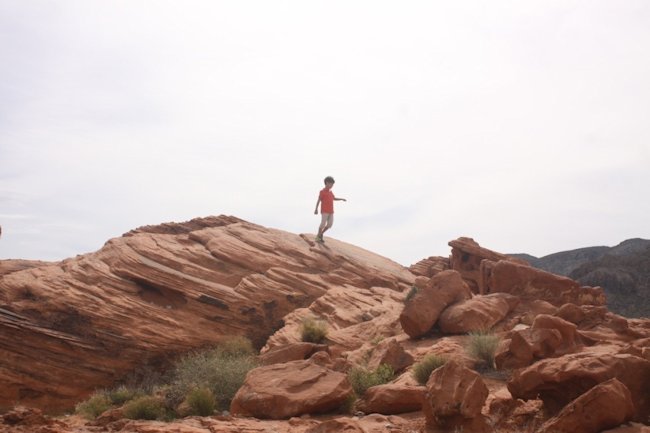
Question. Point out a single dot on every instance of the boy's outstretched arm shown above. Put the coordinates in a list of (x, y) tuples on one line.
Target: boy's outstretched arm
[(339, 199)]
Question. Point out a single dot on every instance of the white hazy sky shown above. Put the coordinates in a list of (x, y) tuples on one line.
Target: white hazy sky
[(525, 125)]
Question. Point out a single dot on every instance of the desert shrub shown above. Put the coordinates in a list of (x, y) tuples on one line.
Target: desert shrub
[(361, 378), (122, 394), (97, 404), (217, 370), (145, 407), (414, 290), (313, 331), (201, 401), (236, 346), (423, 369), (483, 346)]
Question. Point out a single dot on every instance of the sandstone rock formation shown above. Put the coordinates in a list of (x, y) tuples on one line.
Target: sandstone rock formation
[(606, 405), (476, 314), (83, 323), (295, 388), (422, 311), (454, 398), (392, 399), (558, 381), (162, 290), (466, 258)]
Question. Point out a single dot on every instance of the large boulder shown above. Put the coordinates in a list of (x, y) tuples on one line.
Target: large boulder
[(558, 381), (531, 283), (392, 399), (604, 406), (525, 346), (549, 336), (567, 330), (422, 311), (392, 353), (476, 314), (281, 391), (454, 398)]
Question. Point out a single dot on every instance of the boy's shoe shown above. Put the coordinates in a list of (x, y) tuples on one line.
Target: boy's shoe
[(319, 239)]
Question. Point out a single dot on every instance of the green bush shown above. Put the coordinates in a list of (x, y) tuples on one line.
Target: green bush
[(236, 346), (423, 369), (122, 394), (361, 378), (483, 346), (146, 407), (201, 401), (97, 404), (313, 331), (217, 370)]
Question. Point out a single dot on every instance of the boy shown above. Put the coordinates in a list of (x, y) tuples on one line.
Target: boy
[(326, 199)]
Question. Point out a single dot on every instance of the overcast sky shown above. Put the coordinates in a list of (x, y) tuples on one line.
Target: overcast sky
[(525, 125)]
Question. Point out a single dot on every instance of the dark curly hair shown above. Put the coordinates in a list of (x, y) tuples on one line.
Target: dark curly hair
[(329, 179)]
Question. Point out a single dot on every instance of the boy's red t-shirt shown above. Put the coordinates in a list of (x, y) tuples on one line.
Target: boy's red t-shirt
[(326, 201)]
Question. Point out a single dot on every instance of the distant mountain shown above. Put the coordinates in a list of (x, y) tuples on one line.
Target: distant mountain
[(623, 271)]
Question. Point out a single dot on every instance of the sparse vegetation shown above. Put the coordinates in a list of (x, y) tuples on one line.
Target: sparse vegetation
[(201, 401), (122, 394), (414, 290), (423, 369), (221, 370), (205, 380), (361, 378), (313, 331), (236, 346), (97, 404), (146, 407), (483, 346)]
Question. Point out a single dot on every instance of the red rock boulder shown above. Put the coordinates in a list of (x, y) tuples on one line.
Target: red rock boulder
[(454, 398), (558, 381), (281, 391), (476, 314), (604, 406), (532, 283), (391, 398), (526, 346), (466, 258), (392, 353), (422, 311)]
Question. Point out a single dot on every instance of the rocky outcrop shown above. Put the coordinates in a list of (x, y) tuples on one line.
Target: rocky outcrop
[(549, 336), (83, 323), (422, 311), (291, 352), (558, 381), (477, 314), (162, 290), (454, 399), (604, 406), (466, 258), (430, 266), (623, 271), (391, 353), (531, 283), (392, 399), (9, 266), (281, 391)]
